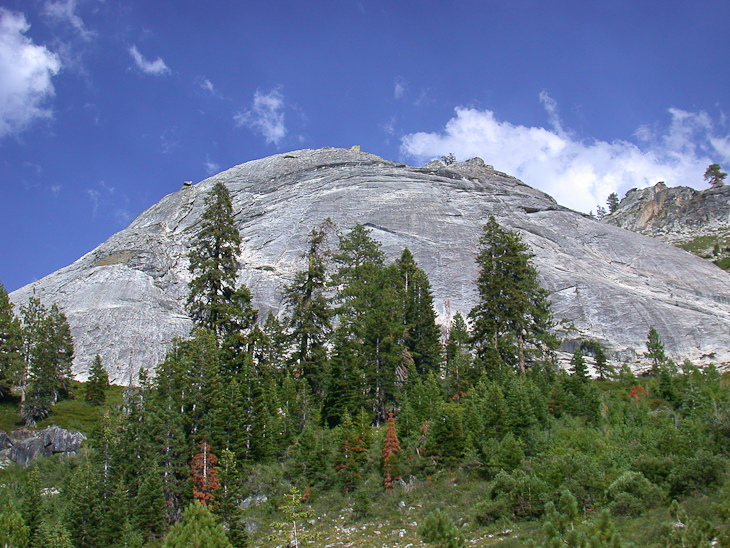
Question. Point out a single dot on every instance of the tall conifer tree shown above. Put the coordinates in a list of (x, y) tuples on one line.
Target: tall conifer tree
[(512, 321), (215, 302), (422, 334), (310, 313), (11, 345)]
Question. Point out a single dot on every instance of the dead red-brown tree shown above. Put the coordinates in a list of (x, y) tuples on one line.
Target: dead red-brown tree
[(391, 454), (205, 478)]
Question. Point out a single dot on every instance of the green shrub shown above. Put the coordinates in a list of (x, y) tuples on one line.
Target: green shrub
[(631, 494)]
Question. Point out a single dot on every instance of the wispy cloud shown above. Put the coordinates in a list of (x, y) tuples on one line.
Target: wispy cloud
[(105, 200), (64, 13), (211, 167), (208, 87), (94, 196), (169, 140), (580, 173), (265, 116), (26, 72), (399, 88), (153, 68), (56, 190)]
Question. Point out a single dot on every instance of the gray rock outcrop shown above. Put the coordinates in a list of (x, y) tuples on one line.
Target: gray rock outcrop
[(125, 299), (682, 216), (22, 446)]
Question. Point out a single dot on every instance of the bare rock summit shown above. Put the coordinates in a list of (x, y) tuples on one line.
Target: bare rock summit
[(125, 299)]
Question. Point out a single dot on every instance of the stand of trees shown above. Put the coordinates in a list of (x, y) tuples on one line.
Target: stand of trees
[(354, 389)]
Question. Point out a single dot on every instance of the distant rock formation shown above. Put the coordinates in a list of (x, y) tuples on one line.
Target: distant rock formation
[(125, 299), (698, 221), (22, 446)]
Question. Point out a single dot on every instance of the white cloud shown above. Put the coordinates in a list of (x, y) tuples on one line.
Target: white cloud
[(64, 12), (211, 167), (26, 70), (94, 196), (56, 190), (580, 173), (265, 116), (207, 86), (153, 68), (400, 88)]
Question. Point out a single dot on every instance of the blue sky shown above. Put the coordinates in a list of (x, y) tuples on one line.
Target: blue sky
[(108, 105)]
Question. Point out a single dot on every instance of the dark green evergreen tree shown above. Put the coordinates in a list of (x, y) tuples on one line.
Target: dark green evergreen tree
[(14, 533), (655, 350), (422, 334), (53, 535), (461, 372), (309, 319), (612, 202), (714, 175), (49, 353), (215, 301), (578, 367), (82, 510), (31, 503), (11, 345), (512, 321), (227, 500), (149, 505), (97, 384), (371, 315), (277, 342), (440, 530)]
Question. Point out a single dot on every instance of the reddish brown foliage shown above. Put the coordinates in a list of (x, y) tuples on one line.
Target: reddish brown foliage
[(391, 449), (637, 391), (205, 478)]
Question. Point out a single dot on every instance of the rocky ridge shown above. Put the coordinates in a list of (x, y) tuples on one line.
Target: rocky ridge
[(698, 221), (125, 299)]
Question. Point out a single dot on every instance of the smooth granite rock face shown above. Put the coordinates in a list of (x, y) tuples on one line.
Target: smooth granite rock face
[(125, 300)]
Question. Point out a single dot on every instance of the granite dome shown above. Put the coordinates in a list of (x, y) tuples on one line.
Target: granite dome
[(125, 299)]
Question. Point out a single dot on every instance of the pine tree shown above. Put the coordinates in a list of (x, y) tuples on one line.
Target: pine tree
[(371, 315), (296, 515), (512, 321), (98, 383), (655, 350), (31, 506), (714, 175), (277, 342), (14, 533), (578, 367), (227, 500), (82, 511), (391, 454), (53, 535), (49, 353), (149, 506), (205, 477), (11, 345), (612, 202), (422, 334), (215, 302), (310, 314), (197, 529), (350, 455), (439, 529)]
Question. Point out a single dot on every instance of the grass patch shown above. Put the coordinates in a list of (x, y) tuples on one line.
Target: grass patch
[(72, 413)]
